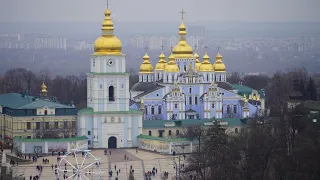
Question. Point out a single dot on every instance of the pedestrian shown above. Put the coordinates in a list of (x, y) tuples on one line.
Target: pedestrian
[(136, 150), (125, 156), (119, 170), (117, 173), (110, 154), (156, 170), (115, 167), (30, 177), (52, 166)]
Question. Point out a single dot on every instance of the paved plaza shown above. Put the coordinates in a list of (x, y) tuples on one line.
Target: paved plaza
[(141, 162)]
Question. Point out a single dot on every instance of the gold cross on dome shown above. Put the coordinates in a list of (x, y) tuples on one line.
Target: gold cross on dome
[(162, 46), (182, 13), (195, 47), (146, 48), (171, 47), (218, 48), (107, 3)]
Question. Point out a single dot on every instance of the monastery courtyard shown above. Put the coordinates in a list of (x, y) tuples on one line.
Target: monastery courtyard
[(141, 162)]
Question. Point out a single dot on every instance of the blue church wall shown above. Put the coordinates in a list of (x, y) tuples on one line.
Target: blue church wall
[(100, 105), (227, 93), (99, 135), (156, 115), (253, 110), (156, 94)]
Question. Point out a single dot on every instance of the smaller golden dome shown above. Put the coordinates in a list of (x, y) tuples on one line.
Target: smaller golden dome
[(172, 65), (44, 88), (197, 63), (160, 66), (218, 65), (206, 66), (146, 66)]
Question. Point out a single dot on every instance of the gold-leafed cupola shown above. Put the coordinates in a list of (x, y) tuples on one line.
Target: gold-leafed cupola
[(107, 43)]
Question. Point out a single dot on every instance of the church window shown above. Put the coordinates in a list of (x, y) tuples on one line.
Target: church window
[(159, 109), (190, 100), (111, 93), (89, 133), (158, 76), (228, 109), (235, 109), (146, 110), (167, 78), (122, 85), (185, 68), (190, 90), (93, 63), (147, 78), (175, 105), (219, 78), (215, 78), (196, 100), (212, 105), (45, 112), (89, 142), (152, 109), (177, 133), (100, 86), (169, 133), (207, 77), (150, 133)]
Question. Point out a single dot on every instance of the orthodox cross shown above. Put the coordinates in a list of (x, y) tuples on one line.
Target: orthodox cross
[(171, 47), (146, 48), (182, 13), (162, 46), (107, 3), (195, 47), (218, 48)]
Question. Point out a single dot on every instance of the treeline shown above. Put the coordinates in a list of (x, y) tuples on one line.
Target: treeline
[(73, 88)]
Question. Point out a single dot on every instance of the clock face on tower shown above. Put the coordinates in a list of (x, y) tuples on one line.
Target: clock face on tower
[(110, 62)]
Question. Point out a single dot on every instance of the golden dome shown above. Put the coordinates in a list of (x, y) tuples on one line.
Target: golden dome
[(160, 66), (218, 65), (206, 65), (44, 88), (171, 66), (107, 43), (146, 66), (182, 49), (198, 63)]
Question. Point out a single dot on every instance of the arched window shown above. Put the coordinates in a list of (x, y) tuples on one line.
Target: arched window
[(177, 133), (159, 109), (207, 77), (228, 109), (45, 112), (146, 107), (190, 90), (190, 100), (215, 78), (169, 132), (185, 68), (147, 78), (212, 105), (236, 130), (111, 93), (158, 76), (150, 133), (100, 86), (196, 100), (219, 78), (152, 109), (234, 109)]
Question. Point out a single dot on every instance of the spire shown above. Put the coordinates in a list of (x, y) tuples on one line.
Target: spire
[(146, 66), (218, 64)]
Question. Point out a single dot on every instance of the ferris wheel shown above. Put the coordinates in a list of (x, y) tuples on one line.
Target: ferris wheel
[(78, 165)]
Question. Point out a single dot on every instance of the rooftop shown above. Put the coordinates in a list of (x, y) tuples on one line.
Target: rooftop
[(89, 111), (191, 122), (162, 139), (19, 101), (44, 140)]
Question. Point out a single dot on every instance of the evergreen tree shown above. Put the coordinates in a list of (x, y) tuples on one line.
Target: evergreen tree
[(311, 90)]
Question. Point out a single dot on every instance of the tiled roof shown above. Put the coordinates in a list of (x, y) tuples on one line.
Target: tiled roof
[(19, 101), (57, 139), (89, 111), (141, 136), (191, 122)]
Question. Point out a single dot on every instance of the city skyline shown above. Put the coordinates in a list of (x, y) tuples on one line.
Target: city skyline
[(144, 11)]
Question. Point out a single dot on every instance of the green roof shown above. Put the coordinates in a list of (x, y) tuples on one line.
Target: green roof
[(19, 101), (141, 136), (110, 73), (89, 111), (57, 139), (191, 122), (242, 89)]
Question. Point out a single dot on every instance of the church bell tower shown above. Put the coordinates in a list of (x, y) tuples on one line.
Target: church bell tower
[(108, 82)]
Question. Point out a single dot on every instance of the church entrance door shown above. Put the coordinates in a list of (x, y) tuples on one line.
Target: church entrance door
[(112, 142)]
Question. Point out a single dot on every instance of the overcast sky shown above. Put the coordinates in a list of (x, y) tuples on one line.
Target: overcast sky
[(159, 10)]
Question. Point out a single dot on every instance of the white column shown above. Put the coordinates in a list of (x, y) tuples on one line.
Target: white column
[(95, 129), (129, 141), (204, 109)]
